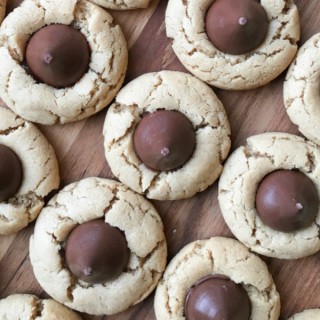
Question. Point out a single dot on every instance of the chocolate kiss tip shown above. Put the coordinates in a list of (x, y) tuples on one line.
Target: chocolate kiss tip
[(243, 21), (48, 58), (88, 271)]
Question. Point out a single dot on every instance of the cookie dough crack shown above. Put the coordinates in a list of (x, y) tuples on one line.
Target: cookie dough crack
[(10, 130), (154, 250), (154, 89), (130, 127), (39, 309), (114, 199), (129, 163)]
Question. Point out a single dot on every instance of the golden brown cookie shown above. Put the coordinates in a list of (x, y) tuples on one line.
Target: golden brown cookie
[(243, 172), (216, 256), (43, 103), (83, 201), (40, 171), (185, 24), (172, 91), (30, 307)]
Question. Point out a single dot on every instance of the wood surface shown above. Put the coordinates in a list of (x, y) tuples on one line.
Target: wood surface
[(79, 148)]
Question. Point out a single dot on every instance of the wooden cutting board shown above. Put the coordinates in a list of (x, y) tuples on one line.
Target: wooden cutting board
[(79, 148)]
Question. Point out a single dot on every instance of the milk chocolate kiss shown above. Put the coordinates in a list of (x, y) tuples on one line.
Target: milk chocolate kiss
[(96, 252), (216, 297), (287, 200), (58, 55), (10, 173), (236, 26), (164, 140)]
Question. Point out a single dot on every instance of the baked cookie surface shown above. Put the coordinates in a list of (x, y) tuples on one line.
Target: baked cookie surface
[(122, 4), (40, 171), (221, 256), (171, 91), (244, 170), (300, 89), (89, 199), (30, 307), (42, 103), (185, 24), (310, 314)]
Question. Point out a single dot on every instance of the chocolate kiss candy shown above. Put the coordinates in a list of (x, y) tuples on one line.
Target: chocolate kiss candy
[(216, 297), (164, 140), (287, 200), (10, 173), (58, 55), (236, 26), (96, 252)]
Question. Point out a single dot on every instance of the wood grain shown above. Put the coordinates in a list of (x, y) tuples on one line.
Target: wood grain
[(79, 148)]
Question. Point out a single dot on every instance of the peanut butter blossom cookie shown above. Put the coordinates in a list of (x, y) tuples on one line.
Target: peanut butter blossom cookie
[(215, 279), (28, 172), (269, 195), (167, 141), (234, 44), (98, 247), (310, 314), (122, 4), (27, 307), (62, 63), (301, 89)]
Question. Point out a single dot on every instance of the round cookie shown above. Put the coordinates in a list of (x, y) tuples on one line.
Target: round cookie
[(300, 89), (122, 4), (86, 200), (40, 171), (172, 91), (27, 306), (221, 256), (185, 24), (243, 172), (310, 314), (45, 104)]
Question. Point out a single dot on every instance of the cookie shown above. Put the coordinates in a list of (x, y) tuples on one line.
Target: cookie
[(172, 91), (216, 256), (311, 314), (185, 24), (243, 174), (39, 172), (28, 307), (300, 89), (83, 201), (122, 4), (106, 53)]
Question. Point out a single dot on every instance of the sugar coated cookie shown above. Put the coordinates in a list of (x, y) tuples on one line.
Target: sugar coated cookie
[(300, 89), (122, 4), (60, 61), (218, 260), (310, 314), (169, 140), (27, 307), (189, 24), (28, 172), (269, 195), (77, 215)]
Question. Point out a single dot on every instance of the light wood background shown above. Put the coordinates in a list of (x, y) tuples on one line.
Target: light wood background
[(79, 148)]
